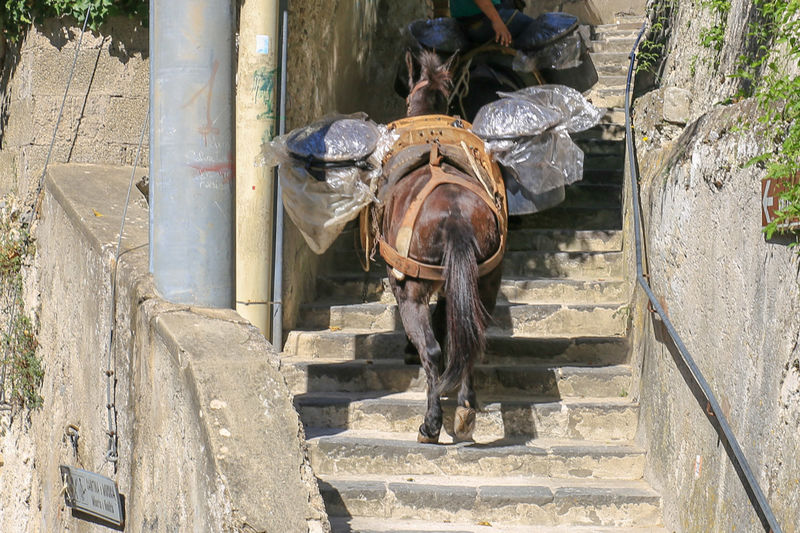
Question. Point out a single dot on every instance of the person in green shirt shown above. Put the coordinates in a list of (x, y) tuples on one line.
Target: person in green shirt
[(484, 20)]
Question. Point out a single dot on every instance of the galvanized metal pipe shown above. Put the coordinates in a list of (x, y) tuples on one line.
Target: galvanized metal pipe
[(277, 291), (191, 151)]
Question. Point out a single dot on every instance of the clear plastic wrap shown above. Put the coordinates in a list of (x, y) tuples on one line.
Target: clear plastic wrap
[(537, 165), (328, 173), (537, 168), (566, 53), (575, 112), (513, 117), (332, 138)]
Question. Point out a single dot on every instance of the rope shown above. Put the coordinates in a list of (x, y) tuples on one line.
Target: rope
[(112, 453)]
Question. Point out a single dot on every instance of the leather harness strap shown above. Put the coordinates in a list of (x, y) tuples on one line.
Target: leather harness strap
[(452, 139), (398, 258)]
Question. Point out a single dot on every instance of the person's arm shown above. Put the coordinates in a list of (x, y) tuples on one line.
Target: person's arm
[(501, 33)]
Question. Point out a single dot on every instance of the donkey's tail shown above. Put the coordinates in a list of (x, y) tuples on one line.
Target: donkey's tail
[(466, 316)]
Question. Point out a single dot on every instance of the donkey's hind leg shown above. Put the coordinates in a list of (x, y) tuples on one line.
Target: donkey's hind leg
[(412, 302), (466, 411)]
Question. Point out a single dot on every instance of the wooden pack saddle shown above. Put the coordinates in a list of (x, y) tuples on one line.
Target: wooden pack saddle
[(432, 140)]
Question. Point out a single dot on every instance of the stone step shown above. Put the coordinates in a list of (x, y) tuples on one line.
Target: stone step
[(593, 146), (563, 291), (602, 96), (551, 320), (573, 265), (592, 419), (609, 32), (578, 217), (360, 524), (617, 59), (600, 45), (612, 70), (605, 130), (537, 239), (540, 380), (616, 82), (613, 115), (534, 264), (604, 162), (517, 500), (567, 240), (580, 195), (603, 176), (624, 23), (584, 195), (501, 348), (371, 452), (356, 288)]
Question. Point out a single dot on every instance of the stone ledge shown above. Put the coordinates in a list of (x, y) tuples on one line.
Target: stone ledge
[(249, 462)]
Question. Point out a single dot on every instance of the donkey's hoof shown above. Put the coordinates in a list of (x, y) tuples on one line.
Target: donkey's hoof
[(464, 423), (424, 439)]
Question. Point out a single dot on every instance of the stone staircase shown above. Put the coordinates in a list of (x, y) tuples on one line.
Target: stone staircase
[(554, 446)]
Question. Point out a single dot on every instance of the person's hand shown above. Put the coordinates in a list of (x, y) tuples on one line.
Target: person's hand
[(501, 33)]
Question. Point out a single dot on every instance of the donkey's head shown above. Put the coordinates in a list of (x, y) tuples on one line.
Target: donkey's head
[(429, 93)]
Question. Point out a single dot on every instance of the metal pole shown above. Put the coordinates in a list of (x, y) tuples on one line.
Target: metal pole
[(191, 151), (277, 310), (256, 111)]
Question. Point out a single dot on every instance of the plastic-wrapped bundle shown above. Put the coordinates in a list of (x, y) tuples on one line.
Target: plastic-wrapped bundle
[(534, 147), (566, 53), (334, 138), (547, 28), (575, 112), (328, 172), (513, 117), (537, 168), (554, 47), (440, 34)]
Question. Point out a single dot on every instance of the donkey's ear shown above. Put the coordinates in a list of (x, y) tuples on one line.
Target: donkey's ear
[(447, 66), (410, 69)]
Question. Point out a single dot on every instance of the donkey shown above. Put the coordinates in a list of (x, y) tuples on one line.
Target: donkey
[(455, 231)]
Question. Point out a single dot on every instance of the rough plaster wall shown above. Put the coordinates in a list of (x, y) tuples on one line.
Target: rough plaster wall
[(735, 301), (342, 57), (104, 110), (588, 11), (701, 70), (74, 387), (734, 298)]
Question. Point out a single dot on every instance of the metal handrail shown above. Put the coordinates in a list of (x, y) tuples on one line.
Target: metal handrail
[(713, 409)]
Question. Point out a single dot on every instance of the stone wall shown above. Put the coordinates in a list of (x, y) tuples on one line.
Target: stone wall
[(733, 297), (588, 11), (104, 110), (208, 436)]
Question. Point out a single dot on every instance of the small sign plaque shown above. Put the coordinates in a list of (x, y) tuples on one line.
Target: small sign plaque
[(771, 202), (92, 494)]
